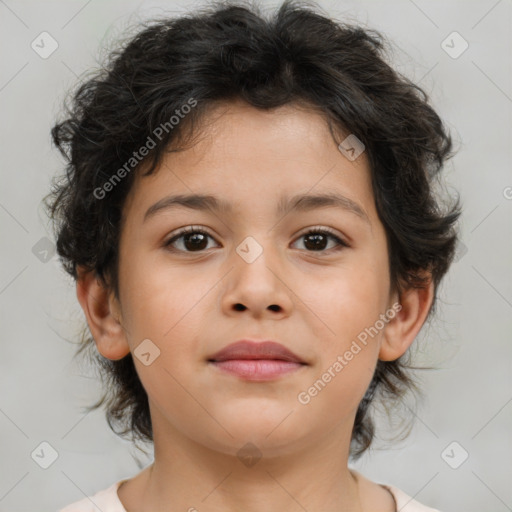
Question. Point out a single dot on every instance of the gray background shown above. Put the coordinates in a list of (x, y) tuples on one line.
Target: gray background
[(468, 397)]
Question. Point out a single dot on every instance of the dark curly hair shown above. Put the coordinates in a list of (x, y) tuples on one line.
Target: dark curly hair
[(228, 51)]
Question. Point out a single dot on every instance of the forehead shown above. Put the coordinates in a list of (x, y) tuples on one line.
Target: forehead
[(252, 157)]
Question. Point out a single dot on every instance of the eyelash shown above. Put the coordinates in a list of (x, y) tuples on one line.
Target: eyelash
[(315, 230)]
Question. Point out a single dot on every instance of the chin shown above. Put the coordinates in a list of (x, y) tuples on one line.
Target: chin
[(270, 434)]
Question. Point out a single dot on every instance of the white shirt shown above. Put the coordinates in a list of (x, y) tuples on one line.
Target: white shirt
[(108, 500)]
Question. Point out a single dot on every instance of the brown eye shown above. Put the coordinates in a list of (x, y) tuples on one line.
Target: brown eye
[(317, 240), (193, 240)]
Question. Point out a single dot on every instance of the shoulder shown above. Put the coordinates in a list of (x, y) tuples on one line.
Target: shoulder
[(404, 503), (106, 500)]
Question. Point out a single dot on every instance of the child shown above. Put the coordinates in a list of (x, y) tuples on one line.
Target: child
[(251, 360)]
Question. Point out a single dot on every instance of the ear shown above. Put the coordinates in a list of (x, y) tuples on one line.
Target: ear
[(401, 331), (103, 316)]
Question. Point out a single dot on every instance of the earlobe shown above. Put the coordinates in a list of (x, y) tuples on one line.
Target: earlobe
[(103, 316), (401, 331)]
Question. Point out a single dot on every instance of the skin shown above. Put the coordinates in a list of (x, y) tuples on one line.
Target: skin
[(314, 302)]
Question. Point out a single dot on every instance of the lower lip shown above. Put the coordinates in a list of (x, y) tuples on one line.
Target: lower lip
[(257, 369)]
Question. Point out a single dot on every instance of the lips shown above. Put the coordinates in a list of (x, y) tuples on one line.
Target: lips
[(250, 350)]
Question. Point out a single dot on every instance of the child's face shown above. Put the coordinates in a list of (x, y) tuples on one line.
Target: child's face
[(315, 302)]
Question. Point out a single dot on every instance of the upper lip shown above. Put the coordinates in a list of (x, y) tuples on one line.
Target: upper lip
[(246, 349)]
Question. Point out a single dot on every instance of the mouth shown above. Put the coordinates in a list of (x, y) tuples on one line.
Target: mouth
[(256, 361)]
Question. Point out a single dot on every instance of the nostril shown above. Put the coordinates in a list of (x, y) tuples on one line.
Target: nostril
[(239, 307)]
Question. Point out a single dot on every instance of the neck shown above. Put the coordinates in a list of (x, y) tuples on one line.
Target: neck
[(188, 476)]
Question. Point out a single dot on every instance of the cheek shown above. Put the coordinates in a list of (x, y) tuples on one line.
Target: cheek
[(350, 302), (171, 320), (336, 392), (156, 295), (164, 315), (167, 307)]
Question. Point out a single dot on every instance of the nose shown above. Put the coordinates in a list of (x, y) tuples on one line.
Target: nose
[(259, 287)]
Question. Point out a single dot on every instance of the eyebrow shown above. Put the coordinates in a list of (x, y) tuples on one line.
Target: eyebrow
[(300, 202)]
